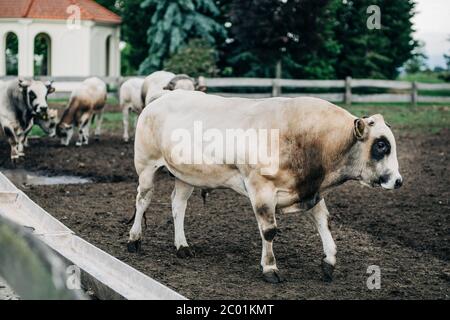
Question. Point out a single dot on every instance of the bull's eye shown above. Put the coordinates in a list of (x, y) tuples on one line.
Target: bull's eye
[(32, 95), (381, 145), (380, 148)]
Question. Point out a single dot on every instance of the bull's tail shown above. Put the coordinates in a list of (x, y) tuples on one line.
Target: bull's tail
[(131, 220), (205, 194)]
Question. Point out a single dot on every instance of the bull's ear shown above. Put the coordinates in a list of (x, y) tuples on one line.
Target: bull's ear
[(50, 87), (23, 84), (170, 86), (359, 129)]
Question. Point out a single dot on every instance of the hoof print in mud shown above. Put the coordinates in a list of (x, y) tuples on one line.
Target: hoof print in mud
[(134, 246), (273, 276), (327, 270), (185, 252)]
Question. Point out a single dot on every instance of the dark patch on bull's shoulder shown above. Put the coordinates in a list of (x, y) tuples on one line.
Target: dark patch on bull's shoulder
[(309, 170)]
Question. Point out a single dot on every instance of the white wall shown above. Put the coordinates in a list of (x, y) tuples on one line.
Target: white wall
[(99, 36), (74, 52)]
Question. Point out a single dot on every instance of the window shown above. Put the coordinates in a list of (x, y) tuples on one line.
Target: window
[(42, 55)]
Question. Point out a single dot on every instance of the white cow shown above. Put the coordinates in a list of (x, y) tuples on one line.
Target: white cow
[(130, 100)]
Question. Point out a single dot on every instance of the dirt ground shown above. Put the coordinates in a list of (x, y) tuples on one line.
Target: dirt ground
[(405, 232)]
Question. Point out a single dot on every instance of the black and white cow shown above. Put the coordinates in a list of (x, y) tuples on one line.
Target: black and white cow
[(22, 104)]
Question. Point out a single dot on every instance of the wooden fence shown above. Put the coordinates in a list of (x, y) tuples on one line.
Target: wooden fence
[(341, 90)]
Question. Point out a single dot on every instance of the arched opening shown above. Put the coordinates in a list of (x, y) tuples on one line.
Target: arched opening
[(12, 54), (108, 57), (42, 55)]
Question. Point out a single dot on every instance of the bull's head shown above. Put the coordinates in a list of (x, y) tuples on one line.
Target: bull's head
[(47, 121), (181, 81), (35, 95), (378, 164), (65, 132)]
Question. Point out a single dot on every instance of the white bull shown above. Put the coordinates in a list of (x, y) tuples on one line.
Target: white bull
[(130, 100), (317, 146)]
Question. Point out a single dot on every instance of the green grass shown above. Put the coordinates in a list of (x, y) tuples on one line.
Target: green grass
[(422, 118), (427, 77)]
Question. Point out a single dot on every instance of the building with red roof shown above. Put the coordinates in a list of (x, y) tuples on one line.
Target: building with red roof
[(58, 38)]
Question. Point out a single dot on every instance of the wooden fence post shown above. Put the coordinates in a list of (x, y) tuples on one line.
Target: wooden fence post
[(414, 93), (276, 89), (348, 91)]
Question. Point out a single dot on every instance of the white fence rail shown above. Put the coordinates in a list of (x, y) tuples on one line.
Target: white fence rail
[(397, 91)]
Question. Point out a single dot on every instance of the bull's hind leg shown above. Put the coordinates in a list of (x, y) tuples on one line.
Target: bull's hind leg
[(263, 195), (143, 198), (319, 215), (125, 121), (180, 196)]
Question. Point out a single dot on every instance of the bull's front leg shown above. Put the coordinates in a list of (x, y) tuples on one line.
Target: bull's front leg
[(13, 142), (263, 197), (319, 215)]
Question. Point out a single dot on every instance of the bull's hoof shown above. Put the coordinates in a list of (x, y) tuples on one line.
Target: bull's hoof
[(327, 270), (273, 276), (134, 246), (185, 252)]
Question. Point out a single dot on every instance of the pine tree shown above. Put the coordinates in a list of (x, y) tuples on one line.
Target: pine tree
[(374, 53), (173, 23)]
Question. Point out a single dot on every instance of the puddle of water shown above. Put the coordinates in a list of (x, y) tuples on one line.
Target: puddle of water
[(24, 177)]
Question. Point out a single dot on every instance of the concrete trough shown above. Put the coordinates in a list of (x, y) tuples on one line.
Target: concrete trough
[(107, 276)]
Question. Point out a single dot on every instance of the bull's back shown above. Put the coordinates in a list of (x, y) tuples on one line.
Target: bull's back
[(186, 111), (91, 92)]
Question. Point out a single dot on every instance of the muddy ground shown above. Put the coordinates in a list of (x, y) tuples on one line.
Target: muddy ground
[(406, 232)]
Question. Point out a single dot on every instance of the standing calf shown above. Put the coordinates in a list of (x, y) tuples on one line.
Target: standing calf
[(86, 102), (317, 147)]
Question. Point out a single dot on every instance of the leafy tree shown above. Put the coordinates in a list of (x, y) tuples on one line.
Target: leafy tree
[(197, 58), (374, 53), (297, 34), (135, 22), (173, 23), (417, 62), (113, 5)]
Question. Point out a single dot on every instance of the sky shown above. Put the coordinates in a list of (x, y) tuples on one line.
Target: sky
[(432, 24)]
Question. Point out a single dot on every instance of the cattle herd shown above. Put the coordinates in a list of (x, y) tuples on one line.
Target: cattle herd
[(313, 145)]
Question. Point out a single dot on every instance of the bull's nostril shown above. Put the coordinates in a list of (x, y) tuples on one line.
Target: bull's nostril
[(398, 183), (384, 178)]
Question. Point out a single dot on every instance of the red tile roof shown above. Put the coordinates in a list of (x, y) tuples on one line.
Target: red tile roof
[(56, 9)]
